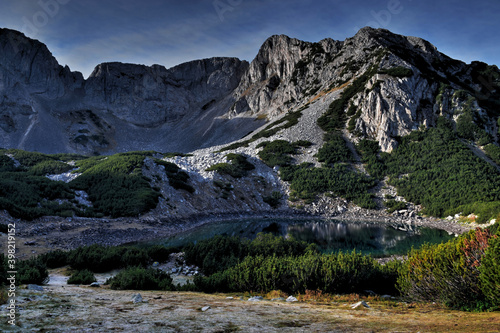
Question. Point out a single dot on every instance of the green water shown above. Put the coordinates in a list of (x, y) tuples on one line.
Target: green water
[(330, 236)]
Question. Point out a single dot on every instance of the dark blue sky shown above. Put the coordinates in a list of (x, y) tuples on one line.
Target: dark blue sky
[(83, 34)]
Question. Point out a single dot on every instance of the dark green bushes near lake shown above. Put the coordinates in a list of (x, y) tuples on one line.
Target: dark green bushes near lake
[(333, 273), (82, 277), (220, 252), (140, 278), (31, 271)]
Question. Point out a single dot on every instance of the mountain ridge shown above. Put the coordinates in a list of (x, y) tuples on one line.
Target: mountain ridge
[(217, 100)]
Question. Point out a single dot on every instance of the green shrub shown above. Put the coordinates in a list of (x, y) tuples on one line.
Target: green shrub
[(447, 273), (6, 163), (485, 211), (161, 253), (215, 254), (133, 257), (177, 178), (274, 199), (399, 71), (28, 197), (237, 168), (334, 150), (306, 182), (335, 117), (267, 244), (493, 152), (49, 167), (55, 259), (82, 277), (440, 172), (139, 278), (98, 258), (277, 153), (221, 252), (490, 272), (333, 273), (29, 159), (369, 151), (393, 205), (31, 271)]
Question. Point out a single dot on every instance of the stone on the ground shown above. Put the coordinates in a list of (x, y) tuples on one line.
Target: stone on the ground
[(95, 284), (360, 303), (292, 299), (255, 299), (35, 287), (205, 308), (137, 298)]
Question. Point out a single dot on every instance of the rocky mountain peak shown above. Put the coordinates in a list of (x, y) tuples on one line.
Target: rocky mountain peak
[(217, 100)]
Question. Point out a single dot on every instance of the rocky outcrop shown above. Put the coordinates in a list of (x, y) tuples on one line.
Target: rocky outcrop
[(209, 102)]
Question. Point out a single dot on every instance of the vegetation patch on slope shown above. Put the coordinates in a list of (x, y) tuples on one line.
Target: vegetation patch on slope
[(115, 184), (289, 120), (435, 169), (177, 178), (237, 167), (277, 153)]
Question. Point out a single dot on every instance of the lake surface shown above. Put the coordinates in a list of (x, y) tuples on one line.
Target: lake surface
[(330, 236)]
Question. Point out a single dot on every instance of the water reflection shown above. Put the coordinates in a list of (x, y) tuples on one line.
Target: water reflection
[(330, 236)]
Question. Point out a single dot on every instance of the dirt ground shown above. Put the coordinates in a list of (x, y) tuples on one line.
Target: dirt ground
[(64, 308)]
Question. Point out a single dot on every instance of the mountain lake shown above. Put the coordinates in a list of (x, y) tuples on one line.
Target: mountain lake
[(379, 240)]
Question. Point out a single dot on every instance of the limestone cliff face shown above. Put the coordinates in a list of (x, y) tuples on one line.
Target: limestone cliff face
[(406, 84)]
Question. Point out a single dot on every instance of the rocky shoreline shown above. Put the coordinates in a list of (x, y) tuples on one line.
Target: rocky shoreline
[(51, 233)]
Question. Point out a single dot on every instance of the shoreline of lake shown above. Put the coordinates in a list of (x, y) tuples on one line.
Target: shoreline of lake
[(50, 233)]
